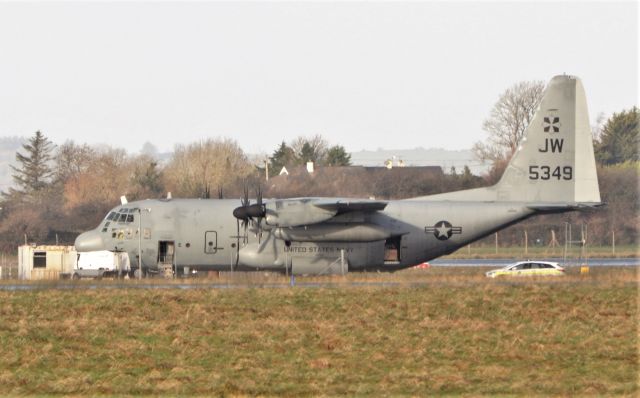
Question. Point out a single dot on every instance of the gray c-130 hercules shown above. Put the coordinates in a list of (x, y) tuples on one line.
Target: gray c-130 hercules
[(552, 171)]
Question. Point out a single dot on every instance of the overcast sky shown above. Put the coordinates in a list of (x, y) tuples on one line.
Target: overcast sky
[(366, 76)]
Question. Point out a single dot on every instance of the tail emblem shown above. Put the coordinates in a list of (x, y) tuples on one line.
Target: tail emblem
[(551, 124)]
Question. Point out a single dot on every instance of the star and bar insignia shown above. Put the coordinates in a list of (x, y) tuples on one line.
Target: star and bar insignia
[(443, 230)]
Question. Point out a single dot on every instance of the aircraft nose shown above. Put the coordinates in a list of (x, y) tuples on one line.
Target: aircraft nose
[(89, 241)]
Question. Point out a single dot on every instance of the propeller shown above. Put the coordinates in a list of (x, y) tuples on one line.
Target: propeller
[(246, 213), (250, 212)]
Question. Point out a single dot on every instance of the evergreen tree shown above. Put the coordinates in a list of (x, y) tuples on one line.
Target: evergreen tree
[(619, 139), (338, 156), (467, 179), (281, 157), (33, 172), (307, 154)]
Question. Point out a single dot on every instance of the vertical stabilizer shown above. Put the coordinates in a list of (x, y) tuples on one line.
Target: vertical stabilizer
[(555, 160)]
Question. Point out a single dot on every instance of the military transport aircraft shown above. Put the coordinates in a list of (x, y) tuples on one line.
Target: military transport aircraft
[(552, 171)]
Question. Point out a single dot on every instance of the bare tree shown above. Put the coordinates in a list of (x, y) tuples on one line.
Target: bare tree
[(107, 176), (596, 128), (71, 160), (509, 118), (196, 169), (310, 149)]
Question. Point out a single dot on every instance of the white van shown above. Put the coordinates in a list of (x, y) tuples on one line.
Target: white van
[(101, 263)]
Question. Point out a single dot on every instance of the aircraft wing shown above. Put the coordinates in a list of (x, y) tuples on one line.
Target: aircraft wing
[(346, 205), (307, 211)]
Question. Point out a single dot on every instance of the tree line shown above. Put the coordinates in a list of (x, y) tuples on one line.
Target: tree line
[(60, 191)]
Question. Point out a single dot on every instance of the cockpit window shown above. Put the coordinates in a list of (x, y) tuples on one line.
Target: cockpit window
[(123, 218), (130, 218), (111, 215)]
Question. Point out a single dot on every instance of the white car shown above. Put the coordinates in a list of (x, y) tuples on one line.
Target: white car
[(528, 268)]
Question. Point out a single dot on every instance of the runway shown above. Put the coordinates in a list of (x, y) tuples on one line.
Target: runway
[(591, 262)]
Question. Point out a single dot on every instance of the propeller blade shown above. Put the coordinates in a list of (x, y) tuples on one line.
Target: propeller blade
[(245, 223), (237, 244), (245, 200)]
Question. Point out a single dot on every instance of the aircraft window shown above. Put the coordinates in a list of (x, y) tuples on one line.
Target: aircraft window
[(112, 215), (123, 218), (130, 218), (526, 266)]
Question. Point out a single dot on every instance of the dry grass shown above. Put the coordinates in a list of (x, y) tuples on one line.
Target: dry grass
[(459, 333)]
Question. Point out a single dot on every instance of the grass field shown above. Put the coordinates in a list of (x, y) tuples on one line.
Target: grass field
[(458, 333)]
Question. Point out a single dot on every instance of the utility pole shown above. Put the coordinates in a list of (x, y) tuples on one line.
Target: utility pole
[(613, 242), (266, 168), (140, 241), (139, 244)]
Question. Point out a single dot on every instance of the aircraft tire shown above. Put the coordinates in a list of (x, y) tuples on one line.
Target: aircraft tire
[(75, 276)]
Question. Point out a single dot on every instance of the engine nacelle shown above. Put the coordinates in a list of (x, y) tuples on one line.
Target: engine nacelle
[(291, 213)]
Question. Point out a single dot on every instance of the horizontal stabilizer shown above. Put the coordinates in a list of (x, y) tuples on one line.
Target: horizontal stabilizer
[(562, 207)]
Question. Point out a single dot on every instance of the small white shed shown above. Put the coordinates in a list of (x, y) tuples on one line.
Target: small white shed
[(45, 262)]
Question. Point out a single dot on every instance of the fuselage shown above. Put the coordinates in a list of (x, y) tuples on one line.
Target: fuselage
[(203, 234)]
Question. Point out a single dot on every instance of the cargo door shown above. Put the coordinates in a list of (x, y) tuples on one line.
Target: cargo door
[(392, 252)]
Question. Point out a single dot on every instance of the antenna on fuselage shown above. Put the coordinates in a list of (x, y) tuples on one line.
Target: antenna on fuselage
[(123, 200), (169, 195)]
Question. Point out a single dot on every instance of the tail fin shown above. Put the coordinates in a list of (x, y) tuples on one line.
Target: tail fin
[(555, 162)]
